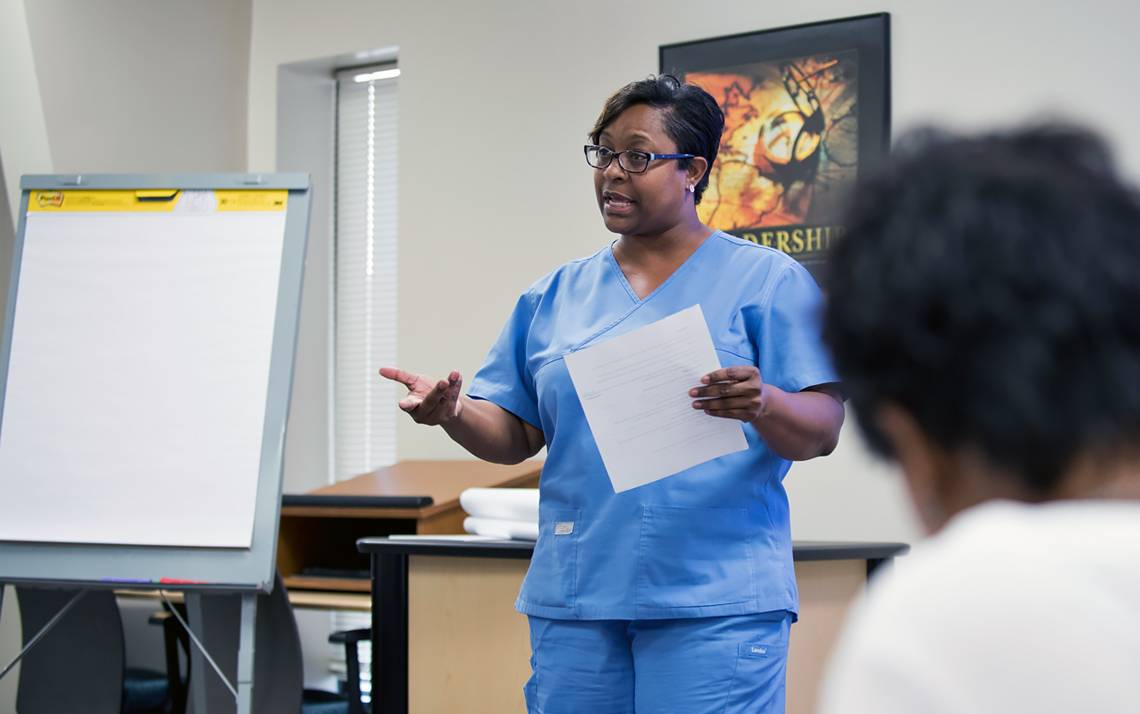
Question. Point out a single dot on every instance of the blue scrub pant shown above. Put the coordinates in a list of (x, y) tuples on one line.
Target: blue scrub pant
[(724, 665)]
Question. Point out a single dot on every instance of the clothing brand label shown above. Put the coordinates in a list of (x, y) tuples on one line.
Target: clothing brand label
[(754, 650), (563, 527)]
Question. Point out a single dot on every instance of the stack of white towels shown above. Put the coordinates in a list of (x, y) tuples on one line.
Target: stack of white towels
[(501, 512)]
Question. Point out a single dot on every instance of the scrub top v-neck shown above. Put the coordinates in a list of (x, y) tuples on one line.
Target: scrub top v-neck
[(713, 540), (613, 261)]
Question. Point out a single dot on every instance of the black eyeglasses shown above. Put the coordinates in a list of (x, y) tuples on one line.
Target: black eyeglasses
[(635, 162)]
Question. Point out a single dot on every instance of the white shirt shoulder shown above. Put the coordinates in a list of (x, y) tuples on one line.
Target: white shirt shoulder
[(1012, 608)]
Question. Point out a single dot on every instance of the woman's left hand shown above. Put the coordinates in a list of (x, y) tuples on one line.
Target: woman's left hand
[(731, 393)]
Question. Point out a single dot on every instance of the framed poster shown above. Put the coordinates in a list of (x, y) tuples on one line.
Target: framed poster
[(806, 109)]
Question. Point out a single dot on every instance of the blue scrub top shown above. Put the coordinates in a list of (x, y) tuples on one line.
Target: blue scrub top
[(712, 540)]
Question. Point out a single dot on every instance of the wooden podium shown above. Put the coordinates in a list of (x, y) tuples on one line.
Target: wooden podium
[(446, 636), (317, 542)]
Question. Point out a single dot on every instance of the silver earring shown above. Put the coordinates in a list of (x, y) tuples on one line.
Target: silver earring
[(692, 188)]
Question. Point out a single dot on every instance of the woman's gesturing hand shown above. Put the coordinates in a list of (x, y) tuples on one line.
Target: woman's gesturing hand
[(428, 401), (731, 393)]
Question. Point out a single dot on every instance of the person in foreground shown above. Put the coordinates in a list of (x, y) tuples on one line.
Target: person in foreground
[(676, 596), (984, 313)]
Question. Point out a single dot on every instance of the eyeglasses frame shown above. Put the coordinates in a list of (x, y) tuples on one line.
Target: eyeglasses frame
[(616, 155)]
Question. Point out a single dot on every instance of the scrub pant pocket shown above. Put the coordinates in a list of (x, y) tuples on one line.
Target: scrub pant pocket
[(714, 665), (760, 681), (579, 667)]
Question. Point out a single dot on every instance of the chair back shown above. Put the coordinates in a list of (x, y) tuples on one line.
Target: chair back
[(78, 666)]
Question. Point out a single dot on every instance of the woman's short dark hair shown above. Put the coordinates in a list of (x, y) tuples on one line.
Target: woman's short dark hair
[(990, 286), (693, 120)]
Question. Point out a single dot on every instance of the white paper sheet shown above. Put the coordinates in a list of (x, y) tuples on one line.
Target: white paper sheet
[(634, 390), (139, 371)]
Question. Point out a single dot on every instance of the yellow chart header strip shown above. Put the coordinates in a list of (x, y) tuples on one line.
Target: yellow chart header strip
[(154, 201), (253, 200)]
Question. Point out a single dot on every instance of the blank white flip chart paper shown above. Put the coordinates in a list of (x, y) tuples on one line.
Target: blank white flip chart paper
[(138, 376), (634, 390)]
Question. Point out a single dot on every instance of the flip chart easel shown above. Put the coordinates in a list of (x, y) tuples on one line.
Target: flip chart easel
[(146, 366)]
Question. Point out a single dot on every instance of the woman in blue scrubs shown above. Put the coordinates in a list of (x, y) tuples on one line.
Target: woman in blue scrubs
[(676, 596)]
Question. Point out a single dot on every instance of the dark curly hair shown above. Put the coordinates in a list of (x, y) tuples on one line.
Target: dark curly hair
[(693, 119), (990, 286)]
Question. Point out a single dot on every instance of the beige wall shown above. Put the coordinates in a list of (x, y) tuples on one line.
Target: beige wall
[(160, 86), (143, 86), (479, 222), (23, 149), (122, 86), (23, 132)]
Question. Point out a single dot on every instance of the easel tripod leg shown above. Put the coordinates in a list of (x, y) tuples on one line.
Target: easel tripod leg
[(246, 653)]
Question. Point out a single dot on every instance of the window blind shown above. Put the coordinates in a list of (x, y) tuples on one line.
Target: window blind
[(365, 265), (364, 323)]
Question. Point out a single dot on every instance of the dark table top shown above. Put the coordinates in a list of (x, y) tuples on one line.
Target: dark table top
[(802, 550)]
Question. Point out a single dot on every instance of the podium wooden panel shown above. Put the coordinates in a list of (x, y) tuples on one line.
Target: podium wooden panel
[(325, 536), (468, 650)]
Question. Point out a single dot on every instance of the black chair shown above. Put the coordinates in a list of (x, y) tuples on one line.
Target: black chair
[(80, 664), (350, 639), (176, 650)]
